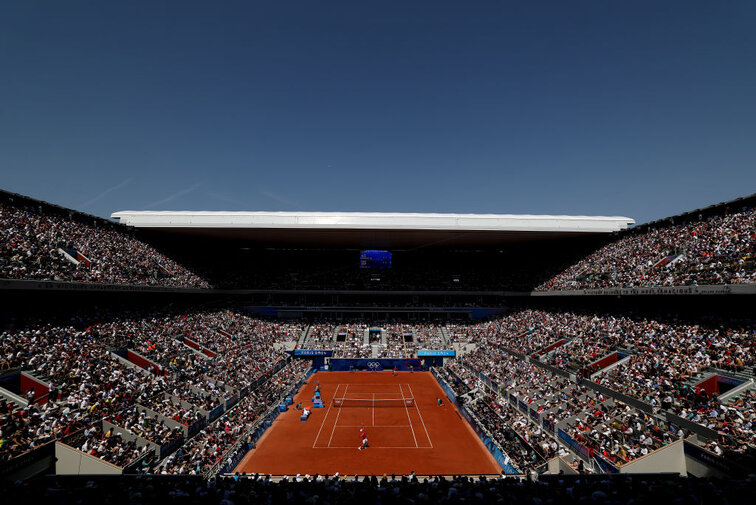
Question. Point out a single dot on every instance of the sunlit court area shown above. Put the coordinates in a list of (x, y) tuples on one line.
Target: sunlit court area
[(407, 430)]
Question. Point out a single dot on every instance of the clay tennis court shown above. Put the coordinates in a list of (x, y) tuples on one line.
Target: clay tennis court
[(406, 430)]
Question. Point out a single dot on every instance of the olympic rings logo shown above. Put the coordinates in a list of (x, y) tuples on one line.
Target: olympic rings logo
[(373, 365)]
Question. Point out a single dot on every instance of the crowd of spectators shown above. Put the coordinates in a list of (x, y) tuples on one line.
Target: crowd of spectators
[(111, 447), (524, 331), (470, 391), (617, 432), (686, 349), (39, 244), (402, 339), (89, 383), (171, 408), (242, 346), (140, 423), (209, 447), (351, 343), (666, 361), (399, 340), (734, 418), (620, 433), (320, 336), (554, 398), (38, 241), (383, 490), (716, 250), (25, 429), (428, 336), (204, 400)]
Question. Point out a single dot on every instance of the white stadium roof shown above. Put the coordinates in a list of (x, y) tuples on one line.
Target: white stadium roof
[(371, 220), (371, 228)]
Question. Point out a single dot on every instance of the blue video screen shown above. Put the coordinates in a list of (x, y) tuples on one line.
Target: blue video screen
[(375, 259)]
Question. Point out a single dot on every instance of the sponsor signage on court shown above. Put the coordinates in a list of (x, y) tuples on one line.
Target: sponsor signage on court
[(427, 354), (313, 352)]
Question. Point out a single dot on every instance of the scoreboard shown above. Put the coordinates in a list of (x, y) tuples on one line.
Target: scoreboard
[(375, 259)]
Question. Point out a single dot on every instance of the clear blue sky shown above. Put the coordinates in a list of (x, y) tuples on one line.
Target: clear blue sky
[(643, 109)]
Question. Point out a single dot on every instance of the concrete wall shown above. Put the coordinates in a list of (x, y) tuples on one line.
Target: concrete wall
[(128, 364), (557, 465), (670, 458), (616, 364), (701, 462), (129, 437), (629, 400), (145, 363), (167, 420), (41, 389), (72, 461), (696, 468), (40, 460), (13, 398)]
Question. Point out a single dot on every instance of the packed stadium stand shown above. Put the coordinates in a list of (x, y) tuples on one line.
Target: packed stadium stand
[(41, 241), (713, 246), (171, 352)]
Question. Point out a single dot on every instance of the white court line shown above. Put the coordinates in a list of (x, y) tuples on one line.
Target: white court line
[(377, 426), (374, 447), (371, 398), (421, 416), (337, 418), (406, 410), (373, 409), (324, 418), (373, 384)]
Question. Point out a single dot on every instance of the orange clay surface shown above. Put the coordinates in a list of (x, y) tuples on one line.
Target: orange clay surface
[(423, 438)]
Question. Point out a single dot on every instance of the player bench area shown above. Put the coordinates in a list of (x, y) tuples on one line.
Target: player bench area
[(387, 412)]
